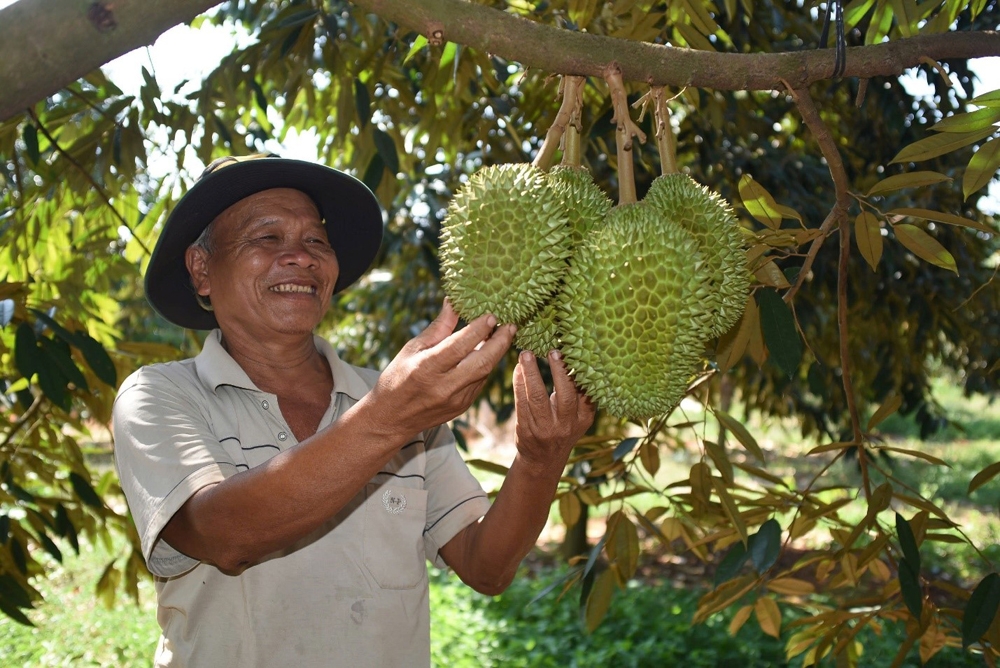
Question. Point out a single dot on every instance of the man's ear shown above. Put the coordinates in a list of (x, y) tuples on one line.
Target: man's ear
[(196, 259)]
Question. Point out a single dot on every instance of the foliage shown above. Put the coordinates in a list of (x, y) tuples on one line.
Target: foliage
[(824, 339)]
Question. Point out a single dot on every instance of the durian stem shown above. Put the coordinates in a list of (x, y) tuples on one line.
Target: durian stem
[(666, 143), (571, 88), (626, 130), (572, 154)]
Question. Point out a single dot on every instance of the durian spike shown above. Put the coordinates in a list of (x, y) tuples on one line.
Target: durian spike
[(571, 88), (666, 143), (626, 130)]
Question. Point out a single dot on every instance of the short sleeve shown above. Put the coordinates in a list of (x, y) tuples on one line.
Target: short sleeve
[(165, 451), (455, 499)]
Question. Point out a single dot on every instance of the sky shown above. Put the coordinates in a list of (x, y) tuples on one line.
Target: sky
[(183, 53)]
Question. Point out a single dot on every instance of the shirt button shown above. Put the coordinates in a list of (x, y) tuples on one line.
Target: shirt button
[(282, 436), (265, 405)]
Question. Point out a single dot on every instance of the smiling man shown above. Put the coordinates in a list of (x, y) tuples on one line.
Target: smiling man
[(287, 502)]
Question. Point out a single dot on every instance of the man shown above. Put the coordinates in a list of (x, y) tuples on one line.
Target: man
[(287, 501)]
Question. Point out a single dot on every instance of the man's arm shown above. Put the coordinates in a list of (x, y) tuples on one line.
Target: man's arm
[(437, 375), (486, 554)]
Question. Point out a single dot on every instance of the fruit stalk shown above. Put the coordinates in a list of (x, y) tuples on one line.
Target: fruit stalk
[(571, 88), (625, 131), (666, 143)]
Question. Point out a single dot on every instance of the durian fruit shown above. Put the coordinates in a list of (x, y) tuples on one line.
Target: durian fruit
[(586, 206), (710, 220), (629, 312), (504, 243)]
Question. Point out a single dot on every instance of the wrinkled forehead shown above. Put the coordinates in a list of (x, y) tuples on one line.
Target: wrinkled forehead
[(270, 206)]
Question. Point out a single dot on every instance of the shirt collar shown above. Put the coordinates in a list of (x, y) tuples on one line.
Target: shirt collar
[(216, 367)]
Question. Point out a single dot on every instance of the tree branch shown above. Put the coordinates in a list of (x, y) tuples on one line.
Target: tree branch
[(47, 44), (837, 217), (552, 49)]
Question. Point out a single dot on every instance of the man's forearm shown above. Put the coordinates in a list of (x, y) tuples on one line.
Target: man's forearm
[(490, 551), (243, 518)]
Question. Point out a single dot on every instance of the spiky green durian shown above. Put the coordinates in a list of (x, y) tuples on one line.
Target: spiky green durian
[(504, 243), (629, 310), (586, 206), (710, 220)]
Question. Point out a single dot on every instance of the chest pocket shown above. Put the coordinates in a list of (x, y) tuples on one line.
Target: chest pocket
[(245, 434), (395, 516)]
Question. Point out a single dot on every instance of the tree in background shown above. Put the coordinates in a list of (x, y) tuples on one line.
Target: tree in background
[(413, 97)]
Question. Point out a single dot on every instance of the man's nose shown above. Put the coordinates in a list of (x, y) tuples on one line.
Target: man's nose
[(299, 252)]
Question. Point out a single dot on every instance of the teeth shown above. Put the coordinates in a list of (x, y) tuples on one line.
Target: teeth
[(291, 287)]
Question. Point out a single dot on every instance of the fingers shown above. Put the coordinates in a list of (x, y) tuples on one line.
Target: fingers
[(441, 328), (566, 395), (532, 388)]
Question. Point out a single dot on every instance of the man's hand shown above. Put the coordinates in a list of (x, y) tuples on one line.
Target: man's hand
[(548, 425), (438, 374)]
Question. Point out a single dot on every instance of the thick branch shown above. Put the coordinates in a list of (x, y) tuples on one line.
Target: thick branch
[(47, 44), (552, 49)]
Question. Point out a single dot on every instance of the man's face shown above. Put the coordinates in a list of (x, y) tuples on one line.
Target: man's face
[(271, 268)]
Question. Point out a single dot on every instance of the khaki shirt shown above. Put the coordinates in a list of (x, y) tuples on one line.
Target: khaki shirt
[(353, 593)]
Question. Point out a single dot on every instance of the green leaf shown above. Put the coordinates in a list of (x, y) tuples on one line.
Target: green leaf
[(984, 476), (981, 609), (868, 237), (362, 103), (982, 167), (53, 382), (258, 94), (780, 334), (623, 448), (759, 202), (599, 600), (26, 352), (924, 246), (97, 358), (855, 11), (30, 136), (419, 43), (741, 434), (11, 611), (19, 555), (297, 18), (49, 546), (907, 542), (58, 354), (969, 121), (939, 144), (386, 148), (909, 584), (12, 591), (942, 217), (765, 545), (374, 172), (4, 529), (888, 407), (986, 98), (910, 180), (731, 563), (83, 490)]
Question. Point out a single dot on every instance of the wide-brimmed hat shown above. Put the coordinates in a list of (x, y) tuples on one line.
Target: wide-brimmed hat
[(350, 212)]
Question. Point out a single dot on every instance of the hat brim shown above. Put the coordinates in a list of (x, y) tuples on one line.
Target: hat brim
[(351, 213)]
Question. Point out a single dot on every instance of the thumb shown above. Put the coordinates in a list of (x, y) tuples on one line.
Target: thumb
[(440, 329)]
